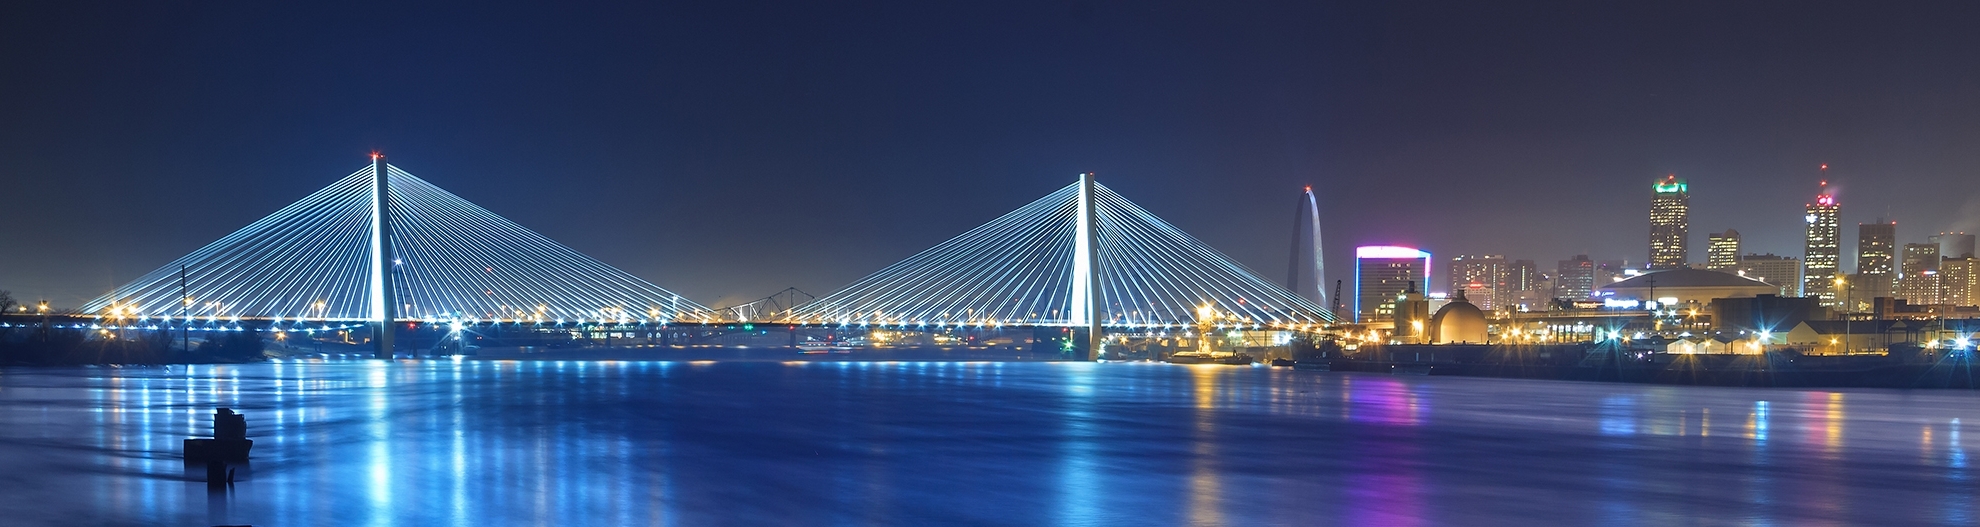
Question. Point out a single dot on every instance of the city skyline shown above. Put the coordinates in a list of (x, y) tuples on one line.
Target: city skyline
[(880, 152), (989, 263), (1848, 262)]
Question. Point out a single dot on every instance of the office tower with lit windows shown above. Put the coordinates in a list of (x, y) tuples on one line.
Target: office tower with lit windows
[(1490, 271), (1823, 250), (1383, 272), (1876, 251), (1918, 280), (1723, 254), (1670, 223), (1781, 271), (1959, 281), (1575, 279), (1522, 281), (1923, 288)]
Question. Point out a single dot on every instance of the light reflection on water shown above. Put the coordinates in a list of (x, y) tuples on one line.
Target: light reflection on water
[(914, 443)]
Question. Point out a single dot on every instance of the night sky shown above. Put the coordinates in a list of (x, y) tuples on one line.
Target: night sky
[(729, 149)]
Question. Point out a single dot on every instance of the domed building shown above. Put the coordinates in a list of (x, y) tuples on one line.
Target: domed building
[(1458, 322), (1688, 286)]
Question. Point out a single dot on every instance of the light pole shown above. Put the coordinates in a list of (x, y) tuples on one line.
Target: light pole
[(42, 307), (1849, 291)]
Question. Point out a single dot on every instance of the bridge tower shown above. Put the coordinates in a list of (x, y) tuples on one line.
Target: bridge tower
[(1086, 268), (384, 303)]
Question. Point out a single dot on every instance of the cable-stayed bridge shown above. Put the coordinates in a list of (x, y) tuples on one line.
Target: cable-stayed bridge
[(382, 246), (449, 259), (1079, 257)]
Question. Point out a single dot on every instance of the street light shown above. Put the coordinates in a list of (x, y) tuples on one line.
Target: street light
[(1848, 307)]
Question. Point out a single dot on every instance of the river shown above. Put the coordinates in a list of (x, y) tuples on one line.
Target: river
[(471, 443)]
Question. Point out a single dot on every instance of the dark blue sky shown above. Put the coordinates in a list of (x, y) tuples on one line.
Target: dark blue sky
[(729, 149)]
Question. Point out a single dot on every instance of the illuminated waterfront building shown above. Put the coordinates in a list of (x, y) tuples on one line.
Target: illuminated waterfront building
[(1383, 272), (1781, 271), (1575, 279), (1876, 248), (1670, 223), (1823, 253), (1723, 254)]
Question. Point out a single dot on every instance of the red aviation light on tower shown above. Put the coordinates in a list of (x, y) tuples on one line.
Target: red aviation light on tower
[(1825, 197)]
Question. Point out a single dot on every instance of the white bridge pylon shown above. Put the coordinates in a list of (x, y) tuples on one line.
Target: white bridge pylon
[(1029, 268), (450, 260)]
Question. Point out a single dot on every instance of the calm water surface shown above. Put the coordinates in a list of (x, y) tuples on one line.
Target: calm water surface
[(690, 443)]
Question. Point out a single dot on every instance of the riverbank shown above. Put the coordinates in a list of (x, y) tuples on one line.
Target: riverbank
[(1914, 368), (768, 354)]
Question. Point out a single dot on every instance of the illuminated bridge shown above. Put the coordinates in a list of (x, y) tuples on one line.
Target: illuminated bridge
[(383, 246), (1081, 257)]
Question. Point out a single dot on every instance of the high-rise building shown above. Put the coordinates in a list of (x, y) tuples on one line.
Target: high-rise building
[(1489, 270), (1381, 274), (1723, 254), (1823, 252), (1925, 288), (1782, 271), (1575, 279), (1959, 279), (1522, 280), (1919, 281), (1670, 223), (1954, 244), (1876, 270)]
